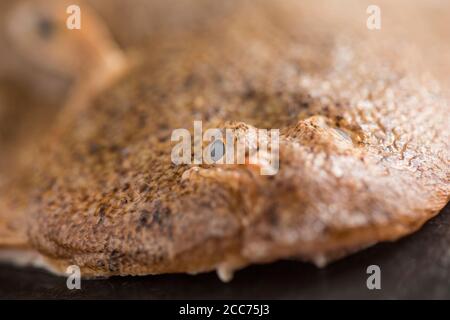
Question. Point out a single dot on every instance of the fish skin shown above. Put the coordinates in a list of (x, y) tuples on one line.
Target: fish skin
[(363, 152)]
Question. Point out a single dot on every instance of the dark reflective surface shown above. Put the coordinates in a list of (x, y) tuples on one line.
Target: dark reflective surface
[(415, 267)]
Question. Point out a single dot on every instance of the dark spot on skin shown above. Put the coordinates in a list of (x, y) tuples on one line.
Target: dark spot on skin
[(249, 93), (190, 81), (273, 219), (114, 148), (94, 148), (46, 28), (101, 214), (163, 126), (114, 261), (101, 210), (272, 215), (207, 116), (158, 216), (143, 218), (100, 264), (142, 120), (144, 188), (339, 118), (162, 138)]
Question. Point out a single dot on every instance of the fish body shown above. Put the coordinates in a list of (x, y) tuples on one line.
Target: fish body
[(363, 149)]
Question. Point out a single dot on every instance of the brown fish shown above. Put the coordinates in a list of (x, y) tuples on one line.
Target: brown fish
[(364, 141)]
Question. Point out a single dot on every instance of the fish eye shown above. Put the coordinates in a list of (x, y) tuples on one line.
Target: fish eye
[(45, 27)]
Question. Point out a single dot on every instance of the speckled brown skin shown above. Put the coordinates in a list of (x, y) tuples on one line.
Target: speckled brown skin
[(363, 151)]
